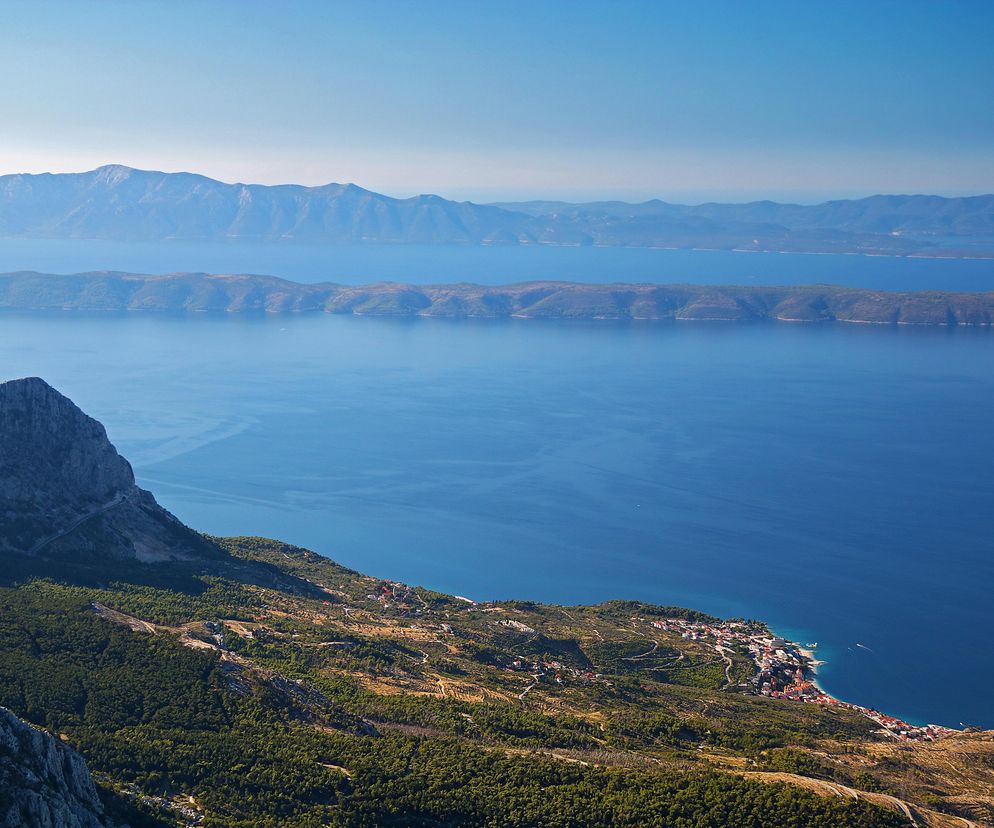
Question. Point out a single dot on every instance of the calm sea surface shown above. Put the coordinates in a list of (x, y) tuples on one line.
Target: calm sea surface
[(834, 480), (496, 265)]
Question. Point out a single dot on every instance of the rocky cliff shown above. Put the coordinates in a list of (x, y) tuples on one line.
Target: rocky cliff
[(66, 492), (44, 782)]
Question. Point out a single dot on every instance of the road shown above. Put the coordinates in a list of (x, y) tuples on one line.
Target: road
[(115, 501)]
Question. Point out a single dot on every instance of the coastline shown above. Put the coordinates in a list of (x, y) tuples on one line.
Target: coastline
[(806, 688), (785, 670), (809, 656)]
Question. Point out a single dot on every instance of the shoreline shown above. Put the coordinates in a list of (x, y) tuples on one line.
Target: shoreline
[(785, 670), (806, 688), (984, 251)]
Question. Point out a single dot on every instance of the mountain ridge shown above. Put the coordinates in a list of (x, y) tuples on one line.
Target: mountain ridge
[(120, 203)]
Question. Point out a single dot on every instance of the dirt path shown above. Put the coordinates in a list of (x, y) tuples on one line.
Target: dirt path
[(840, 790), (724, 653), (524, 693), (646, 654), (129, 621)]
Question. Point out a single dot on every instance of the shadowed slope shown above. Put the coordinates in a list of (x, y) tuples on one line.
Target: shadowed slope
[(66, 492)]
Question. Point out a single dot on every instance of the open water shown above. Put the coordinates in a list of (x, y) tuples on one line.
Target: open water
[(834, 480)]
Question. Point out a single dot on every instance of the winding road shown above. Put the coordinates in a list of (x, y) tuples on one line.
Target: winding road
[(115, 501)]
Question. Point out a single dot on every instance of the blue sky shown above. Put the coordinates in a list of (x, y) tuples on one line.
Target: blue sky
[(685, 101)]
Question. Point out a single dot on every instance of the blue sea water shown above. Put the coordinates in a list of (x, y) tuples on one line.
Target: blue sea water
[(836, 481), (421, 264)]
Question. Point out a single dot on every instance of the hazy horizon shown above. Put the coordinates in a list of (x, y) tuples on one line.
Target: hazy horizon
[(621, 366), (733, 103), (494, 197)]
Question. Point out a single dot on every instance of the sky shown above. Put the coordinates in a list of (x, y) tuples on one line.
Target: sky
[(687, 101)]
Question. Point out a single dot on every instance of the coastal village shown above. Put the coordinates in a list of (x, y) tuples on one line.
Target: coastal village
[(786, 670), (783, 669), (534, 661)]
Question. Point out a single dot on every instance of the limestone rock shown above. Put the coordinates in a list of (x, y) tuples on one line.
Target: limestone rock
[(66, 492), (43, 782)]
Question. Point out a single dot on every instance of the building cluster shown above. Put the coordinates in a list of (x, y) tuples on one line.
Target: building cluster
[(550, 669), (784, 670), (396, 594), (729, 635), (515, 625)]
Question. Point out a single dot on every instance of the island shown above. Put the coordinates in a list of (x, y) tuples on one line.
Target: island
[(237, 293)]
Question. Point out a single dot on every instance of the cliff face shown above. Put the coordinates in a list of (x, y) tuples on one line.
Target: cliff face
[(42, 781), (66, 492)]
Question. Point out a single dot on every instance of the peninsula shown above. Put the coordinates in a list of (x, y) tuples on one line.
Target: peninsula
[(238, 293)]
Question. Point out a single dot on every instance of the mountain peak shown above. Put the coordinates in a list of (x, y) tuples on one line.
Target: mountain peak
[(104, 168), (113, 173), (66, 492), (35, 417)]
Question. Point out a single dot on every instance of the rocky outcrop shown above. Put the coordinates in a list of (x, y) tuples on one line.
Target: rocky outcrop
[(66, 492), (43, 782)]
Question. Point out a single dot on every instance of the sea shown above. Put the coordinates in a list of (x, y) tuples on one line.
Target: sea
[(833, 480), (494, 265)]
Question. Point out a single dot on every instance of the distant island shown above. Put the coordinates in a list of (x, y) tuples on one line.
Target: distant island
[(203, 292), (120, 203)]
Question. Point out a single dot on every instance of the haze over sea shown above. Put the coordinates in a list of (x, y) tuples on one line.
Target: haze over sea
[(833, 480), (427, 264)]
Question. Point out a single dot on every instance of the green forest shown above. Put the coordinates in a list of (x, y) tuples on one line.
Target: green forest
[(282, 734)]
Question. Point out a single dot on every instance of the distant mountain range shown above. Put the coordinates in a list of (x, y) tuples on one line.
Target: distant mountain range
[(203, 292), (119, 203)]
